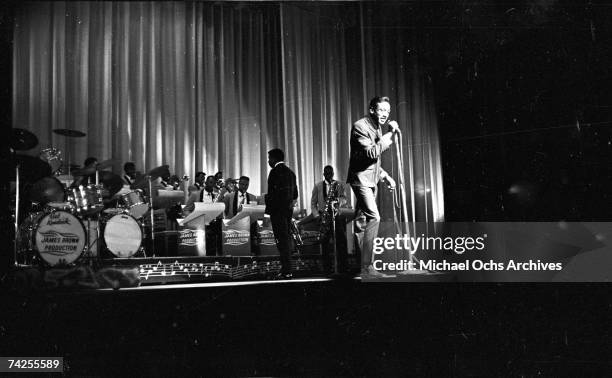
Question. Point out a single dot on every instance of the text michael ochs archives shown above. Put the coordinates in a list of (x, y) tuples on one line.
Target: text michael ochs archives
[(457, 245)]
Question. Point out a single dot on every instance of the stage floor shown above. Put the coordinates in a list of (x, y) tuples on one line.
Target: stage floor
[(310, 327)]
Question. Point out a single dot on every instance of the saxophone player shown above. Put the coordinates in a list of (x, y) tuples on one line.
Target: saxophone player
[(325, 194)]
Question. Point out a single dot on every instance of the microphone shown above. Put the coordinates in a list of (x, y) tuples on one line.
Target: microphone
[(393, 126)]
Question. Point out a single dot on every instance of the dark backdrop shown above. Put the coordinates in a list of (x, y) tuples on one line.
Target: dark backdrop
[(522, 92)]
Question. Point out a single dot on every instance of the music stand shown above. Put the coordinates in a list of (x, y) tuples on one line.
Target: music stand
[(253, 211), (202, 215)]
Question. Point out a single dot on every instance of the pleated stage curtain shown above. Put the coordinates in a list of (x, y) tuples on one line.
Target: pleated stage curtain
[(192, 85), (214, 86), (335, 58)]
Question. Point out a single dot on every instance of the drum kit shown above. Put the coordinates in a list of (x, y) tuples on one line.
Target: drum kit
[(64, 221)]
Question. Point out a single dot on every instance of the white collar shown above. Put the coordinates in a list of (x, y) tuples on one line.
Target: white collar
[(280, 162)]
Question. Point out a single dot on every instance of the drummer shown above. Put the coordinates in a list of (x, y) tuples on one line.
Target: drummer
[(89, 165), (130, 173)]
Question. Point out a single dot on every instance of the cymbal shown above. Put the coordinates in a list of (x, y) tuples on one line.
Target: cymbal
[(106, 163), (23, 140), (69, 133), (84, 171), (161, 171), (72, 167), (30, 168), (90, 170)]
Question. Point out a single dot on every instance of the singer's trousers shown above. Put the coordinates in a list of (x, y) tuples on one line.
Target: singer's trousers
[(365, 207)]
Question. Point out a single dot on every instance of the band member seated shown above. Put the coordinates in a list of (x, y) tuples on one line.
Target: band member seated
[(325, 195), (209, 194), (198, 184), (175, 182), (129, 176), (234, 200), (227, 186)]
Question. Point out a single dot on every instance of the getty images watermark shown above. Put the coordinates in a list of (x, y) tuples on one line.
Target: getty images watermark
[(445, 254)]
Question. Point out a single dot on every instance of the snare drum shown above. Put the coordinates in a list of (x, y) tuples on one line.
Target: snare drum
[(86, 200), (123, 235), (58, 237), (134, 203)]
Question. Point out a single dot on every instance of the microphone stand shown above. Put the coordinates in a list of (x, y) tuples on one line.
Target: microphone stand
[(403, 201)]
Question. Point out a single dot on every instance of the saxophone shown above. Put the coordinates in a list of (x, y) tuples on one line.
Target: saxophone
[(330, 210), (295, 234)]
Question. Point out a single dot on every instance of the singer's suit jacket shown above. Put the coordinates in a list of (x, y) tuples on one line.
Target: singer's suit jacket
[(282, 191), (367, 144), (317, 201)]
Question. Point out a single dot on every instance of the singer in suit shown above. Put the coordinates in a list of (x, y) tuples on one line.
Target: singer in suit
[(280, 199), (234, 200), (367, 144)]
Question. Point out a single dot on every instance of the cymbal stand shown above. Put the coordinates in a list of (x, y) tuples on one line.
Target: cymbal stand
[(152, 216), (333, 235), (17, 190), (68, 155), (92, 254)]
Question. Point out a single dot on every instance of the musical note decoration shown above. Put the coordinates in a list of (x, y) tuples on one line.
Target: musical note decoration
[(194, 271)]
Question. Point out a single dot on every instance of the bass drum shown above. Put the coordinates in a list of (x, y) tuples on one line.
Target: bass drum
[(123, 235), (45, 190), (60, 238)]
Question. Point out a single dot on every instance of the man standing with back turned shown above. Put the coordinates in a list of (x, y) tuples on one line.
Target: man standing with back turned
[(280, 199), (367, 145)]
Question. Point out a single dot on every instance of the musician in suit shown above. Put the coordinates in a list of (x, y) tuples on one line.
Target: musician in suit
[(229, 186), (198, 184), (367, 143), (318, 204), (321, 189), (129, 176), (208, 194), (234, 200), (280, 199)]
